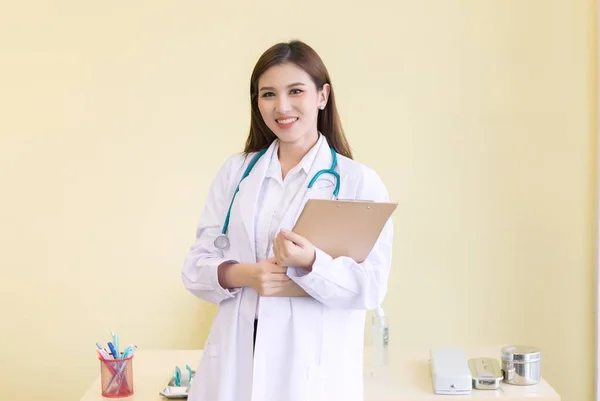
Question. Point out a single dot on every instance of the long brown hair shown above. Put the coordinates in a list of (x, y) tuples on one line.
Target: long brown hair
[(328, 120)]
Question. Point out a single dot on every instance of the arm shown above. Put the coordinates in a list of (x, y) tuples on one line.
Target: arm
[(344, 283), (230, 274), (206, 273)]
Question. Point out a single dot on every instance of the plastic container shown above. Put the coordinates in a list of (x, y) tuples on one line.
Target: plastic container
[(380, 339), (116, 377)]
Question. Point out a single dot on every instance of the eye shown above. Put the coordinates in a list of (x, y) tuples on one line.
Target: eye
[(296, 91), (268, 94)]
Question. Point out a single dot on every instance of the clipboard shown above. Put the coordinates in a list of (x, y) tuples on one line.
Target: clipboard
[(340, 228), (344, 227)]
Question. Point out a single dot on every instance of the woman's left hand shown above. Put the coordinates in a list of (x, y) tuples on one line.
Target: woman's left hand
[(294, 250)]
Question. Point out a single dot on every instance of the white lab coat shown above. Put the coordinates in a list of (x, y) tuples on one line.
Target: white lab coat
[(307, 348)]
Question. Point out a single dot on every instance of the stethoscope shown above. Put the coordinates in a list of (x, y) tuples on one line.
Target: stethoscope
[(222, 240)]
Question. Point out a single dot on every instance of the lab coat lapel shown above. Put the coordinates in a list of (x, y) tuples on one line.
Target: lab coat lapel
[(248, 197), (321, 189)]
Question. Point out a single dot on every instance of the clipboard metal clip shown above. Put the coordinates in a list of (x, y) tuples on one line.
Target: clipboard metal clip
[(355, 200)]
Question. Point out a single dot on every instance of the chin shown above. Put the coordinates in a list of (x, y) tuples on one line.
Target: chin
[(286, 135)]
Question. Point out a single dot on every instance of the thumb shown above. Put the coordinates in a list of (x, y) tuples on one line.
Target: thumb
[(296, 238)]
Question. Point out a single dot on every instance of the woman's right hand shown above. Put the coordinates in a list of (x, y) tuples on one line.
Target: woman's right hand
[(267, 277)]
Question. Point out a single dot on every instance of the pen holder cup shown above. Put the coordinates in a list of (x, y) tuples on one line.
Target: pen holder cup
[(116, 377)]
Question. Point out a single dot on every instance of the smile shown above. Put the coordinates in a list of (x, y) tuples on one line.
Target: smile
[(287, 120)]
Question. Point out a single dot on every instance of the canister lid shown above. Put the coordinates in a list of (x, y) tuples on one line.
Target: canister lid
[(523, 353)]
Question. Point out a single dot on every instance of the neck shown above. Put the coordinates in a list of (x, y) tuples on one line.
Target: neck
[(291, 153)]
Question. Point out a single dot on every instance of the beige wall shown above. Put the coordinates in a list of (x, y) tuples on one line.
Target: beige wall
[(479, 115)]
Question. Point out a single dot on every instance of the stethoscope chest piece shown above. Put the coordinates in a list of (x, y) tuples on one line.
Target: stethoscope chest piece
[(222, 242)]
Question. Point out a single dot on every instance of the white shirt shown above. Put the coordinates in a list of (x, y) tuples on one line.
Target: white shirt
[(275, 198)]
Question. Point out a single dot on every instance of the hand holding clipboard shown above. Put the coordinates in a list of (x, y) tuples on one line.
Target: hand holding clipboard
[(344, 227), (340, 228)]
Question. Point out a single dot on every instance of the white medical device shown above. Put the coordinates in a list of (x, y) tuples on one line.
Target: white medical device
[(450, 371)]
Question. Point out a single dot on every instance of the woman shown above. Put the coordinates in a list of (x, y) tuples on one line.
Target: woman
[(263, 347)]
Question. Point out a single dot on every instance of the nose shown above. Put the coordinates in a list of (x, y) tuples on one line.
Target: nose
[(283, 105)]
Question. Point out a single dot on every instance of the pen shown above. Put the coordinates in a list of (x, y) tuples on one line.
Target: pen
[(115, 338), (102, 351), (101, 348), (112, 350), (105, 357), (128, 352), (100, 355)]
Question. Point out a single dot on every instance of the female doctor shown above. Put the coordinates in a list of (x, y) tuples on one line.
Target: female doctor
[(272, 348)]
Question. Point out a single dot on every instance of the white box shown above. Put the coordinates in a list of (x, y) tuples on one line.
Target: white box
[(449, 371)]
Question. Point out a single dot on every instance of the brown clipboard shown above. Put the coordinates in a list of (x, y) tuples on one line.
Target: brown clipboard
[(340, 228), (344, 227)]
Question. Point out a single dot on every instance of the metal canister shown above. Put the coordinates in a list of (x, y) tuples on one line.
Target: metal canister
[(521, 365)]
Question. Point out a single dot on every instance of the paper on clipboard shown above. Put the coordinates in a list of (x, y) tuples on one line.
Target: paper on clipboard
[(340, 228)]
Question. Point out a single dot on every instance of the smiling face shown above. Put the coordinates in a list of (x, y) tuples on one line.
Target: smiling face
[(289, 103)]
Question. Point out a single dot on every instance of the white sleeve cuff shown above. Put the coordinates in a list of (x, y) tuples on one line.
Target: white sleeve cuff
[(301, 276), (214, 277)]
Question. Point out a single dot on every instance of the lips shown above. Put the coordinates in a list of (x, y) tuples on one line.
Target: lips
[(286, 122)]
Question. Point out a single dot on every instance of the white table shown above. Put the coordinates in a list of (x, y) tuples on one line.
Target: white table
[(407, 378), (152, 369)]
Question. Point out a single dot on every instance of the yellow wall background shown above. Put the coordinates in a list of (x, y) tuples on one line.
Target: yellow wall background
[(479, 115)]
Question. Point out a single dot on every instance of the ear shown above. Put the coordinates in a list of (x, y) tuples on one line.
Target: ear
[(324, 94)]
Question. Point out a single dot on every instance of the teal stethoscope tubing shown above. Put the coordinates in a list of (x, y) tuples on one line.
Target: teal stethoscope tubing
[(222, 241)]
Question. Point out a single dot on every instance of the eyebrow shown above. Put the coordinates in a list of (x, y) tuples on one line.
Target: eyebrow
[(289, 86)]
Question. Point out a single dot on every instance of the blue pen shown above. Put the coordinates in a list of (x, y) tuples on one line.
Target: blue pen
[(115, 338), (126, 352), (129, 351), (112, 350)]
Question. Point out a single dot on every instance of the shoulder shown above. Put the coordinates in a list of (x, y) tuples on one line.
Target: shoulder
[(369, 184), (233, 163), (230, 170)]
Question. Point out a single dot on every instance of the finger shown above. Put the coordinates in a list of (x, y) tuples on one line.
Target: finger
[(281, 254), (277, 284), (275, 258), (288, 246), (292, 236), (282, 251), (281, 244), (276, 269), (278, 278)]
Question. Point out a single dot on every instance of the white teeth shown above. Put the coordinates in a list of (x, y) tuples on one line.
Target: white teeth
[(287, 120)]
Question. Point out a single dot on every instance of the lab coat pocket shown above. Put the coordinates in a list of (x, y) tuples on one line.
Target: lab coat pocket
[(211, 350), (322, 190), (323, 185)]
